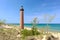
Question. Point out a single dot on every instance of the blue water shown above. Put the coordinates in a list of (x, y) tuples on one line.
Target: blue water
[(55, 27)]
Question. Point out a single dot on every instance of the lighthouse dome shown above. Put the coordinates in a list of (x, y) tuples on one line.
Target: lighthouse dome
[(21, 8)]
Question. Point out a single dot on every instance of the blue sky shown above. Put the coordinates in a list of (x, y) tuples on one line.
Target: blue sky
[(10, 10)]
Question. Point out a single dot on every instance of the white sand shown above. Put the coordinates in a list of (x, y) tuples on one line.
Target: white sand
[(27, 28), (6, 26)]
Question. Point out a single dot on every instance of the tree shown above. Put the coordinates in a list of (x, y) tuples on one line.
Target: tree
[(48, 19), (34, 26), (2, 22)]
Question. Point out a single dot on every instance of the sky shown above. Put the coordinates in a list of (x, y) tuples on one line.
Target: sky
[(10, 10)]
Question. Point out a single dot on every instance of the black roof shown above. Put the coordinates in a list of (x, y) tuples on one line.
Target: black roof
[(21, 8)]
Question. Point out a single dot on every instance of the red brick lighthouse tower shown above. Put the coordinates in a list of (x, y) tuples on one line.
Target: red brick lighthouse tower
[(21, 17)]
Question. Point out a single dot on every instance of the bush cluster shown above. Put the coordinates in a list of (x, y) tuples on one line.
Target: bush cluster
[(31, 32)]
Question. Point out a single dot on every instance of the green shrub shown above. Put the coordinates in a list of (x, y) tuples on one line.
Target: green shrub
[(32, 32), (26, 32), (35, 31)]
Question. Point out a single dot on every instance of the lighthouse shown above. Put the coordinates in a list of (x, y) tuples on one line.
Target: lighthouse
[(21, 17)]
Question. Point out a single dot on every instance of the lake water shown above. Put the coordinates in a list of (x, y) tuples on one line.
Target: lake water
[(52, 27)]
